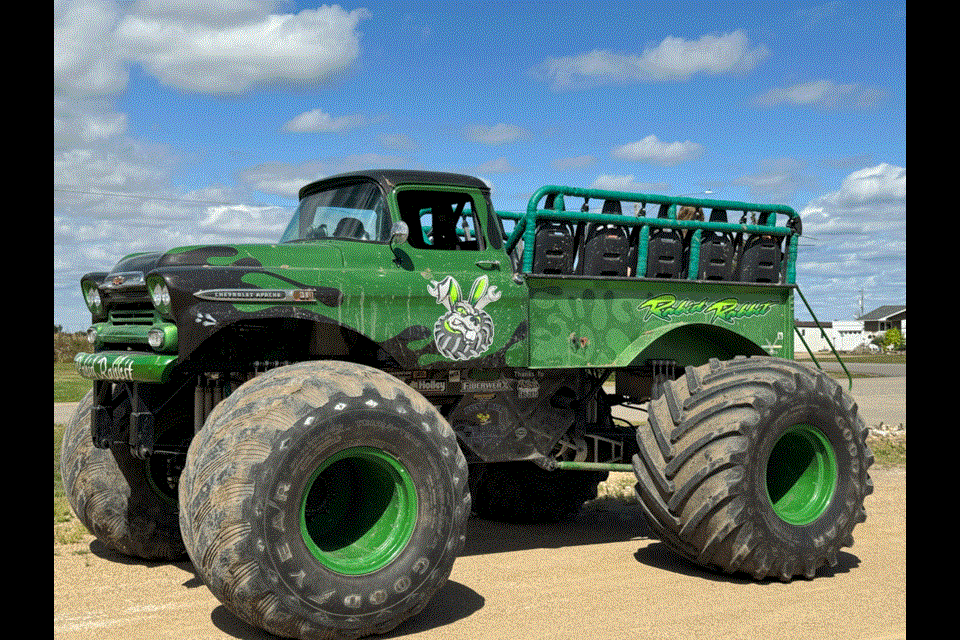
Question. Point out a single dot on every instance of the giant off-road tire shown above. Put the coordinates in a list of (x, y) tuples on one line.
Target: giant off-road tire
[(324, 500), (124, 501), (755, 465)]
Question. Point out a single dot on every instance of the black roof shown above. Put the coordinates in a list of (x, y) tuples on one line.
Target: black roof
[(884, 312), (390, 178)]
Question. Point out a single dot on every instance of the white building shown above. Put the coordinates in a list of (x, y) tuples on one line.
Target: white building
[(847, 335)]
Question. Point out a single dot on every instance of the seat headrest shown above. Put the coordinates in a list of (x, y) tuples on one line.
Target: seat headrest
[(718, 215), (612, 206)]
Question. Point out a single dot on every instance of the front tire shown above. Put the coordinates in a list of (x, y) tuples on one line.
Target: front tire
[(118, 498), (324, 500), (755, 465)]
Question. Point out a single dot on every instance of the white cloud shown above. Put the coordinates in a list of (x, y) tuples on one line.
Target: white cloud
[(499, 165), (611, 182), (855, 238), (672, 59), (882, 183), (825, 94), (285, 179), (497, 134), (221, 47), (776, 179), (244, 223), (653, 151), (85, 59), (319, 121), (198, 52), (92, 152)]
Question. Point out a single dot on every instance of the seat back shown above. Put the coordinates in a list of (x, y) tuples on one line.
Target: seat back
[(606, 246), (553, 251), (664, 251), (349, 228), (761, 257), (716, 251)]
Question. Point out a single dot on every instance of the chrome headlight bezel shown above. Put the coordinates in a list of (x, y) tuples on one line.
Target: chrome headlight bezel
[(159, 295), (91, 296)]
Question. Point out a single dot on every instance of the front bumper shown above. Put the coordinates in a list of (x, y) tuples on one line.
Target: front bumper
[(125, 366)]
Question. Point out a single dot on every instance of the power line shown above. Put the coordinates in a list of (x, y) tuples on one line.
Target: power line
[(143, 197)]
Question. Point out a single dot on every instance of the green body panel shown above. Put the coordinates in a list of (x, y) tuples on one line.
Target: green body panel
[(381, 292), (577, 322), (431, 308)]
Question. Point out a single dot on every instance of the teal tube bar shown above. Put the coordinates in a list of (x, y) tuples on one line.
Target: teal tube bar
[(526, 222)]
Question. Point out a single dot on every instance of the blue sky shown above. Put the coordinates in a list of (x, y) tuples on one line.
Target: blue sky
[(181, 122)]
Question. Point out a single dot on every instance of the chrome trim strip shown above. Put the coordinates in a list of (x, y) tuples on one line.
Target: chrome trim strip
[(257, 295), (123, 280)]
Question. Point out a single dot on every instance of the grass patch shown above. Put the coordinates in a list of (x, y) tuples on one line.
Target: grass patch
[(67, 528), (618, 487), (889, 451), (68, 386)]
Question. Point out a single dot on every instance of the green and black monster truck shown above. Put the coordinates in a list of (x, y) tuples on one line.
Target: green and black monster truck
[(313, 421)]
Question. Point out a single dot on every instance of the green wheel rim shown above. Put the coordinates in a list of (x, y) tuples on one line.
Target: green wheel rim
[(359, 511), (801, 475)]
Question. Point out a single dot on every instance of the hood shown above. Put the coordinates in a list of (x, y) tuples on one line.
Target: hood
[(266, 256)]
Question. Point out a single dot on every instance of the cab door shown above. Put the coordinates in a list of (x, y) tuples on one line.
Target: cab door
[(461, 285)]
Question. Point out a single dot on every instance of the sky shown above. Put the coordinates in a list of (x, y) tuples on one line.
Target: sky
[(180, 122)]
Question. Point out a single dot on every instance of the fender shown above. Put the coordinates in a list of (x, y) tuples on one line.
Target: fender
[(688, 344)]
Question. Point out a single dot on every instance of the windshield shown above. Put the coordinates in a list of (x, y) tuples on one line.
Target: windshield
[(352, 211)]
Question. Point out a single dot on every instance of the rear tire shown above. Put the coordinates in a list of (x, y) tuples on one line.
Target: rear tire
[(324, 500), (757, 465)]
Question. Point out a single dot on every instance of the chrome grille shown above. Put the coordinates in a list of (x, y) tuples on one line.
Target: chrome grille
[(133, 315)]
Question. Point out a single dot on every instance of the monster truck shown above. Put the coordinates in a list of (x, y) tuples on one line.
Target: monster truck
[(313, 421)]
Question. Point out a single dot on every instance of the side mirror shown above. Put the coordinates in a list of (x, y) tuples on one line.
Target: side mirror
[(399, 233)]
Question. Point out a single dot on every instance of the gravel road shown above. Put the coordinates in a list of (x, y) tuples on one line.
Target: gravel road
[(598, 577)]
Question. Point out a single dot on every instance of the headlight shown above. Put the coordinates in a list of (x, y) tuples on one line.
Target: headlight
[(155, 338), (159, 295), (163, 337), (92, 297)]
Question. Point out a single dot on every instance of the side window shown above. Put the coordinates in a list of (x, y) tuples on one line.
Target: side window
[(440, 220)]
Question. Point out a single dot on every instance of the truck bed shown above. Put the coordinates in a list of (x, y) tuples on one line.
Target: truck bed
[(675, 281)]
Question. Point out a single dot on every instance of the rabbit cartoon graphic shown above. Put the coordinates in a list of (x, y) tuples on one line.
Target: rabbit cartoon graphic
[(465, 331)]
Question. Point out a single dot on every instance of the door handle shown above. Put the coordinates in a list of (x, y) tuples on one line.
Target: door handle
[(489, 265)]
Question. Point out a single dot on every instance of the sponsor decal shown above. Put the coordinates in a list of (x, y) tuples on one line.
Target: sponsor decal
[(485, 386), (729, 310), (99, 367), (465, 331), (429, 386)]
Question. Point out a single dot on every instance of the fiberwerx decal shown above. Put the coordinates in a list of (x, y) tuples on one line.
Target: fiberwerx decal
[(465, 331), (667, 306)]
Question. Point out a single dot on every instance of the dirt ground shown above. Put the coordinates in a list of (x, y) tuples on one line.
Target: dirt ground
[(598, 577)]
